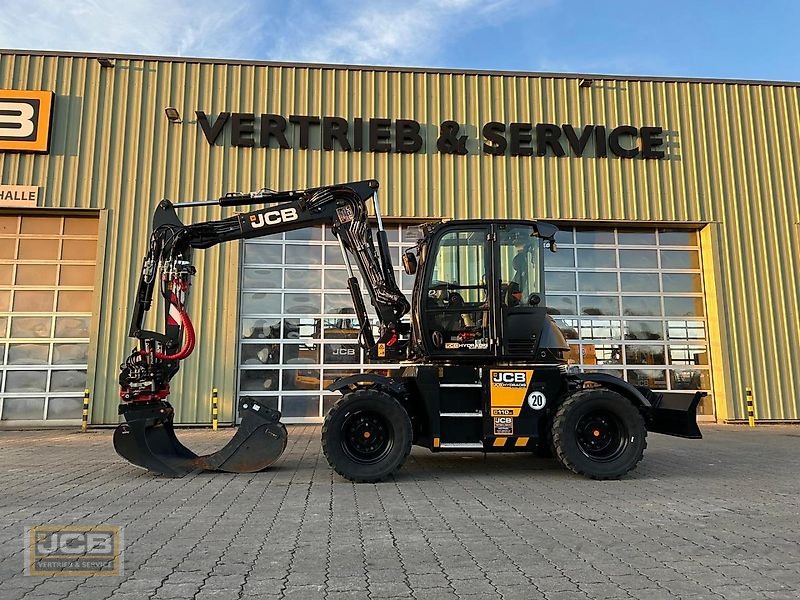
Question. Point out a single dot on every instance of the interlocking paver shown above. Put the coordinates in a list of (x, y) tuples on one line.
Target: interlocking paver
[(708, 519)]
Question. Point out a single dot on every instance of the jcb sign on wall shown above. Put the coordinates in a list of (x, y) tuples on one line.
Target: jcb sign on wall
[(25, 118)]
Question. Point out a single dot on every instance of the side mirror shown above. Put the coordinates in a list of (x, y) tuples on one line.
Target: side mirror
[(534, 299), (409, 262)]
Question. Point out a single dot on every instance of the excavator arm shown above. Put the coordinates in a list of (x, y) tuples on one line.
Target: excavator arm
[(147, 439)]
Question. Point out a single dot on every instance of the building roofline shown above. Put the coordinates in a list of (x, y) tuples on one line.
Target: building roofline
[(396, 69)]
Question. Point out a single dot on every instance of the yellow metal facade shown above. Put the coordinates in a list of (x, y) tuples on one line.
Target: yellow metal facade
[(732, 163)]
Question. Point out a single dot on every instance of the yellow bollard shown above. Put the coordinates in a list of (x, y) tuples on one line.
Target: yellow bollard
[(85, 417), (214, 409), (751, 415)]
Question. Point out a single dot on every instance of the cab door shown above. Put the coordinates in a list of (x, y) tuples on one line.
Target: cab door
[(519, 270), (458, 294)]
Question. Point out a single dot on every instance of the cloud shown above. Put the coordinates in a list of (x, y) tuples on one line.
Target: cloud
[(410, 32), (199, 28)]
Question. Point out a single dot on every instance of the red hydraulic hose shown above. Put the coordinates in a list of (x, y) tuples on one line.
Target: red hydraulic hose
[(188, 339)]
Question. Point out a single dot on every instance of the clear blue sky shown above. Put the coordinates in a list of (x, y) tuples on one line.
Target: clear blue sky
[(711, 38)]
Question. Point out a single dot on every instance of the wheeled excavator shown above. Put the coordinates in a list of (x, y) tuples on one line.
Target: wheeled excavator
[(482, 363)]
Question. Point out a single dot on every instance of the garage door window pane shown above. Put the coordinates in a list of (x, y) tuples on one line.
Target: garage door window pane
[(258, 329), (682, 282), (683, 307), (301, 379), (303, 279), (677, 237), (28, 354), (254, 303), (562, 305), (680, 259), (258, 380), (639, 282), (70, 354), (263, 254), (560, 281), (690, 379), (599, 305), (303, 304), (65, 408), (77, 275), (26, 381), (644, 330), (262, 278), (36, 275), (596, 259), (300, 406), (30, 327), (637, 238), (303, 255), (642, 306), (597, 282), (79, 250), (594, 236), (38, 249), (33, 300), (563, 258), (644, 355), (260, 354), (68, 381), (18, 409), (638, 259), (74, 301), (72, 327), (655, 379)]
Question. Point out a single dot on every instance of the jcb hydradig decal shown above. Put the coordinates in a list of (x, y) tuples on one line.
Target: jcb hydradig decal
[(507, 391)]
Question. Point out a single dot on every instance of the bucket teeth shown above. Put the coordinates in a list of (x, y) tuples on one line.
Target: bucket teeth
[(147, 439)]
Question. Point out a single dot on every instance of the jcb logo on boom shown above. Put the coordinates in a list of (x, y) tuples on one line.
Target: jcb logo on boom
[(508, 377), (273, 217), (25, 119)]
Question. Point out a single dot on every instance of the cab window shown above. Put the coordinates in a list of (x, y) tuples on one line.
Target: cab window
[(519, 265), (456, 297)]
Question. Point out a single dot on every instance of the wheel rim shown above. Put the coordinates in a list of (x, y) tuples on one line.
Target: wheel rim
[(367, 437), (601, 436)]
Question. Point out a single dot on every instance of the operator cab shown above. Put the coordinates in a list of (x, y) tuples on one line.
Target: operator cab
[(479, 292)]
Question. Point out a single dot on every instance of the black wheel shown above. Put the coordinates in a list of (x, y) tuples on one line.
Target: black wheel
[(366, 436), (599, 434)]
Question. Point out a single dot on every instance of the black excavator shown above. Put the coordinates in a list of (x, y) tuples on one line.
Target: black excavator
[(483, 364)]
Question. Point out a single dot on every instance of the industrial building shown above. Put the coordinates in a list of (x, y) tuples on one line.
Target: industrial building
[(678, 262)]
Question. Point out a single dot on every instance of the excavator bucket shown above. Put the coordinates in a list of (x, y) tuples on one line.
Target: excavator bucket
[(147, 439)]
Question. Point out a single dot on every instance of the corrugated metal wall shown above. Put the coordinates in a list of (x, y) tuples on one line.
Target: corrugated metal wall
[(731, 161)]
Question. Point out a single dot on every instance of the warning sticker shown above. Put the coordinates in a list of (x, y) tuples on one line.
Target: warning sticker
[(504, 425)]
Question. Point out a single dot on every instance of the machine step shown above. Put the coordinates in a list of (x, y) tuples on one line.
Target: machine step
[(461, 414), (461, 445)]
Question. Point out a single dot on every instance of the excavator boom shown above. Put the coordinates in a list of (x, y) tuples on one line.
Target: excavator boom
[(147, 438)]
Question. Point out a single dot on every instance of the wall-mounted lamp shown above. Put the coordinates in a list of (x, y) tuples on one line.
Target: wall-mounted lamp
[(105, 62), (172, 114), (586, 82)]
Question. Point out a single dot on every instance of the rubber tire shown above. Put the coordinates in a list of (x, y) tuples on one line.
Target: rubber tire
[(565, 443), (392, 411)]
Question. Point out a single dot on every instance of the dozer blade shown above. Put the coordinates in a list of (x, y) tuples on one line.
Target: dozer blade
[(676, 414), (147, 439)]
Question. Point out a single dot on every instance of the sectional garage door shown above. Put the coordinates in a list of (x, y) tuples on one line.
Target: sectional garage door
[(47, 267), (629, 301)]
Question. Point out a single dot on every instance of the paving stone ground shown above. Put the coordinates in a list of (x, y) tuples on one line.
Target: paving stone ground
[(717, 518)]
